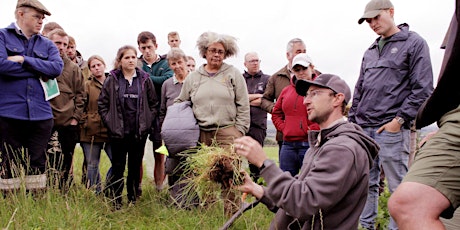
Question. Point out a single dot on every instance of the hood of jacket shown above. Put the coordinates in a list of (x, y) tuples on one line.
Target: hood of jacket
[(351, 130), (223, 68)]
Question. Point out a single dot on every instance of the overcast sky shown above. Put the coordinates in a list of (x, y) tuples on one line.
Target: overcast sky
[(334, 39)]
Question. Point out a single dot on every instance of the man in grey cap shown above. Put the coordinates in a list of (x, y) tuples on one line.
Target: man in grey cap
[(26, 118), (395, 72), (340, 151)]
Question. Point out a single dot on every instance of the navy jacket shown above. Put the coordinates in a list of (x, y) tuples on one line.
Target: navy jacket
[(256, 84), (393, 82), (21, 94), (110, 104)]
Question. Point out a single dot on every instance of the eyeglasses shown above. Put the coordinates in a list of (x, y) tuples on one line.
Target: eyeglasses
[(312, 94), (39, 17), (255, 61), (216, 51)]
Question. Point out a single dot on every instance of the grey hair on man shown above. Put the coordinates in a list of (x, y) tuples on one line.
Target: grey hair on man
[(176, 53), (292, 42)]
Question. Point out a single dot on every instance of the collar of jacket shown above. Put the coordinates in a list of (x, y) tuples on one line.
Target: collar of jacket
[(247, 75), (117, 73), (400, 36)]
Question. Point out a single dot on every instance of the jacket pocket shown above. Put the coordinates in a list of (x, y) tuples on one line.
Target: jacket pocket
[(42, 54), (13, 49)]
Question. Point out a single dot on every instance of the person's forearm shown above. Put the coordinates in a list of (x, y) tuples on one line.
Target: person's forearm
[(257, 191)]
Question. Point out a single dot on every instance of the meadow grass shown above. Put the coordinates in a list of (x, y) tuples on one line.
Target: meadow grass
[(81, 208)]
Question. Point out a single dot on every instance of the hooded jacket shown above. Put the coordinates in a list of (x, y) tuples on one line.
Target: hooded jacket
[(219, 101), (290, 115), (399, 78), (332, 186), (111, 102), (275, 85)]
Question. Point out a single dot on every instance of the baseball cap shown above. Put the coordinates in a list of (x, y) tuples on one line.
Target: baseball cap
[(329, 81), (301, 59), (33, 4), (373, 8)]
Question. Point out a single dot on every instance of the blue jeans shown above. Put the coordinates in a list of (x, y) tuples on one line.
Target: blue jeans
[(393, 158), (92, 153), (291, 156)]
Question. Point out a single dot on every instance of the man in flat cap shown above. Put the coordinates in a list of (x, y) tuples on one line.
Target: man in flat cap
[(26, 118), (340, 151), (35, 4), (395, 72)]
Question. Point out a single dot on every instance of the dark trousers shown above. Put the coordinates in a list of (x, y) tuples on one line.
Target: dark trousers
[(134, 148), (31, 137), (259, 135), (68, 136)]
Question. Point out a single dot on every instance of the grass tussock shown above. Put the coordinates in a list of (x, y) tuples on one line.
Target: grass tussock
[(208, 170)]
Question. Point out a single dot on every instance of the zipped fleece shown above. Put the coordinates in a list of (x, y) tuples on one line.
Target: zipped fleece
[(393, 82), (256, 85), (219, 101), (290, 115), (333, 180), (110, 104)]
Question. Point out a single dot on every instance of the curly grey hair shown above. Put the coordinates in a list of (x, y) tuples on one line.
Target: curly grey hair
[(208, 38)]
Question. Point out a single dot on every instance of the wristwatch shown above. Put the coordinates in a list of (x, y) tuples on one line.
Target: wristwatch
[(400, 120)]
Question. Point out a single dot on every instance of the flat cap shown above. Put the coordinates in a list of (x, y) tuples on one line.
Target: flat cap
[(33, 4)]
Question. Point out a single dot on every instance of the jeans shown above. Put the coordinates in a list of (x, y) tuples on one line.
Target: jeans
[(92, 153), (32, 136), (291, 156), (393, 158)]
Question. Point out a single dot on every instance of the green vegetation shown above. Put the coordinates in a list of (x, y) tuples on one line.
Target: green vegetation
[(82, 209)]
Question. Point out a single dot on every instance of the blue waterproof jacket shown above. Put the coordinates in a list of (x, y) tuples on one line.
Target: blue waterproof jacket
[(393, 82), (21, 94)]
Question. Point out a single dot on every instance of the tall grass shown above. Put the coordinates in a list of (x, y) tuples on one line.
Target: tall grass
[(82, 209)]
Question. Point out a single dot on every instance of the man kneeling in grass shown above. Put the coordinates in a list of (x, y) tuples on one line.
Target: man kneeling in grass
[(331, 189)]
